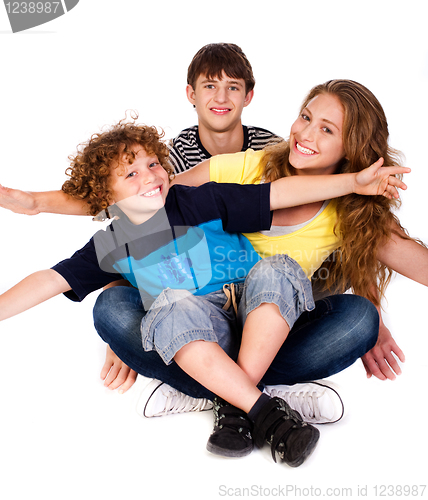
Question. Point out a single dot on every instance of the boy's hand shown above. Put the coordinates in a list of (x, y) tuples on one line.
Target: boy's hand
[(116, 374), (378, 180), (17, 201)]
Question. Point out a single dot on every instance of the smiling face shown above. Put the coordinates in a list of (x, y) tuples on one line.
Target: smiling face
[(139, 188), (219, 102), (316, 144)]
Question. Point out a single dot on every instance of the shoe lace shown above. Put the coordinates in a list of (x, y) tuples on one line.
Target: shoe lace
[(305, 402), (177, 402)]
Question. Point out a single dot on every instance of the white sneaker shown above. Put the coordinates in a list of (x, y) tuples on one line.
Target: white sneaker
[(317, 402), (158, 399)]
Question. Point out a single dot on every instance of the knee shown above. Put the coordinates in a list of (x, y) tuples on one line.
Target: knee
[(114, 305), (118, 313), (364, 316), (103, 311), (278, 279), (265, 269), (277, 267), (106, 300), (369, 321)]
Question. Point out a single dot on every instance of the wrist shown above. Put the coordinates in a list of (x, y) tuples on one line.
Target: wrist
[(353, 182), (38, 205), (57, 202)]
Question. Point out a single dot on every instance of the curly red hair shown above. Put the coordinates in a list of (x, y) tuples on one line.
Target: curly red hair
[(91, 167)]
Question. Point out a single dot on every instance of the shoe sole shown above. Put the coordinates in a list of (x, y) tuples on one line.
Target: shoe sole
[(216, 450)]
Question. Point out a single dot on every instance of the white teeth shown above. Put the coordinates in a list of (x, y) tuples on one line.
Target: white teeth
[(303, 150), (151, 193)]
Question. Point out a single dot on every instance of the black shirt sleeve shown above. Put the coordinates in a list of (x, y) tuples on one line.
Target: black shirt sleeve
[(242, 208), (83, 273)]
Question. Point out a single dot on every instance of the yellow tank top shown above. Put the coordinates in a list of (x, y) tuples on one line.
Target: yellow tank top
[(309, 245)]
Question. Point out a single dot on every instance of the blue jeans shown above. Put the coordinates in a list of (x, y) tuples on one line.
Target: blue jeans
[(323, 341)]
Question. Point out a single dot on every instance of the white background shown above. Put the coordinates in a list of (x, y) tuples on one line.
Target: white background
[(62, 434)]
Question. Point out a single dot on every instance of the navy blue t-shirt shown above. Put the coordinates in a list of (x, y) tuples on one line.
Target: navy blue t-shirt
[(193, 243)]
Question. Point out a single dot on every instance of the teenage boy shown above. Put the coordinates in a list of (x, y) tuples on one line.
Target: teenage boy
[(165, 242), (220, 84)]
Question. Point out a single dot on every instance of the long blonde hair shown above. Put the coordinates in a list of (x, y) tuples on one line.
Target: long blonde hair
[(364, 222)]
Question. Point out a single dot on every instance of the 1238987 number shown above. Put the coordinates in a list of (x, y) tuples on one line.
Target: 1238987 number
[(32, 7)]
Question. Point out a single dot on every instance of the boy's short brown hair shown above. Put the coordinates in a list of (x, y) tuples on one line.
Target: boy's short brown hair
[(91, 167), (214, 58)]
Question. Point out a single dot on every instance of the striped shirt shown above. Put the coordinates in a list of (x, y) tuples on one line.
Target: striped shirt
[(186, 150)]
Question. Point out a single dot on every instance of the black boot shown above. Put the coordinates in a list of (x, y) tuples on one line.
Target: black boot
[(283, 428), (231, 436)]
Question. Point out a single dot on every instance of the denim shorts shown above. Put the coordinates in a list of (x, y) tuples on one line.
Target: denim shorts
[(177, 317)]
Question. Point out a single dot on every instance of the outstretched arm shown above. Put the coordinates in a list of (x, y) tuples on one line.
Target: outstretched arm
[(196, 176), (31, 291), (302, 189), (406, 257), (55, 202), (410, 259)]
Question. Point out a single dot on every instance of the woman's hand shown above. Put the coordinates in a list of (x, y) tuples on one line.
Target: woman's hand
[(381, 361), (116, 374), (378, 180)]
